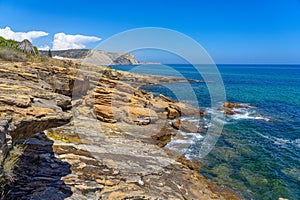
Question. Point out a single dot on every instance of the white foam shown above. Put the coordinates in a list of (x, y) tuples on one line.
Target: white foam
[(183, 140), (240, 113), (280, 141), (247, 113)]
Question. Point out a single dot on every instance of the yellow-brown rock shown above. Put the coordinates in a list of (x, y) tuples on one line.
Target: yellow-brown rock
[(172, 113), (111, 150), (185, 126)]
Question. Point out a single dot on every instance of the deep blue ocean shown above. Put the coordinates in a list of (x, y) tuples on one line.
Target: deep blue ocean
[(258, 152)]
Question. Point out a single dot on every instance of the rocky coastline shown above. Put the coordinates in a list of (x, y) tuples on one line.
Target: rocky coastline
[(75, 131)]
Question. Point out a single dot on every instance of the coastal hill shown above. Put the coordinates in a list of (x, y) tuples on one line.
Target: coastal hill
[(103, 57), (76, 131)]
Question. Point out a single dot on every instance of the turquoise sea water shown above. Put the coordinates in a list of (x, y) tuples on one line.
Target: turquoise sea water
[(258, 152)]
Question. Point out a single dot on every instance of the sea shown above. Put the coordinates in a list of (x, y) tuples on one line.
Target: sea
[(258, 150)]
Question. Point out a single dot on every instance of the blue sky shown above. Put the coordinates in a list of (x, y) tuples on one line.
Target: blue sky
[(232, 31)]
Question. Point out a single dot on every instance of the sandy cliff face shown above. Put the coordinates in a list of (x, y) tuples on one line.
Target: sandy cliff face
[(90, 133), (96, 57)]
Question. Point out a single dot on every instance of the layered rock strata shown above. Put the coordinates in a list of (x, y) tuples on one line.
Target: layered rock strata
[(104, 145)]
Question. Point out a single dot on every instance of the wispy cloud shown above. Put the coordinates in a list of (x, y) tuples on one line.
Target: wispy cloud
[(7, 33), (63, 41)]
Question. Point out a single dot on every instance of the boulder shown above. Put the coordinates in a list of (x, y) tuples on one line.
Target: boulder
[(104, 113), (228, 104), (232, 108), (141, 116), (163, 137), (172, 113), (185, 126)]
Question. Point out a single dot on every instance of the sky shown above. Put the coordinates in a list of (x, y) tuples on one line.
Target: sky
[(232, 31)]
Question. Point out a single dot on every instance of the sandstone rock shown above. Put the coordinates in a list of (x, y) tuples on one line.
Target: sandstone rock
[(176, 124), (186, 110), (228, 104), (112, 74), (231, 108), (142, 116), (163, 137), (172, 113), (192, 164), (185, 126), (165, 99), (105, 113), (14, 100), (89, 158)]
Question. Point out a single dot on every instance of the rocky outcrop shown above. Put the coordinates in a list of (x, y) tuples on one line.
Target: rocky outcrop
[(97, 57), (26, 47), (110, 149), (232, 108), (185, 126)]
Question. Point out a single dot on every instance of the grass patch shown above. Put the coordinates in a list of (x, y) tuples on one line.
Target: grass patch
[(8, 165), (11, 161)]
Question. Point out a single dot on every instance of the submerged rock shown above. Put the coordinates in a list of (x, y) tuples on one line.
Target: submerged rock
[(232, 108), (228, 104)]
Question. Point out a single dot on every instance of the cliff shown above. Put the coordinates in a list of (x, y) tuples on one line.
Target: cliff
[(103, 57), (26, 47), (73, 131)]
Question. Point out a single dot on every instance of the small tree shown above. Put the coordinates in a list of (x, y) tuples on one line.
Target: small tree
[(49, 53)]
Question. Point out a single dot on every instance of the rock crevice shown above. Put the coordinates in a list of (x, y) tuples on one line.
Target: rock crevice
[(105, 135)]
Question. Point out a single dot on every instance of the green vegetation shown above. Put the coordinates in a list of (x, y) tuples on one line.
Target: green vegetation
[(49, 53), (36, 50), (12, 44), (7, 168), (11, 161), (10, 52)]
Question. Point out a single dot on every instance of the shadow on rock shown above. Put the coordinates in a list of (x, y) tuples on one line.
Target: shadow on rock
[(38, 173)]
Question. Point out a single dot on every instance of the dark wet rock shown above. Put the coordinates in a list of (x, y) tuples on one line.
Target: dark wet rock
[(35, 177), (49, 193)]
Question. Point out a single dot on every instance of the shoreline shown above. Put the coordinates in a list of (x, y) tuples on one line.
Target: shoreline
[(138, 169)]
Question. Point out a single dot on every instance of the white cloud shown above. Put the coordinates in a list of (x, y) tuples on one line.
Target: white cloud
[(63, 41), (7, 33), (43, 48)]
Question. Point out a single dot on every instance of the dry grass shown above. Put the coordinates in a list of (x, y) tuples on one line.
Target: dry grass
[(11, 161), (8, 165), (12, 55)]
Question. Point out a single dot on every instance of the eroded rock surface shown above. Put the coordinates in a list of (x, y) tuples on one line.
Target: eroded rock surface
[(110, 148)]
